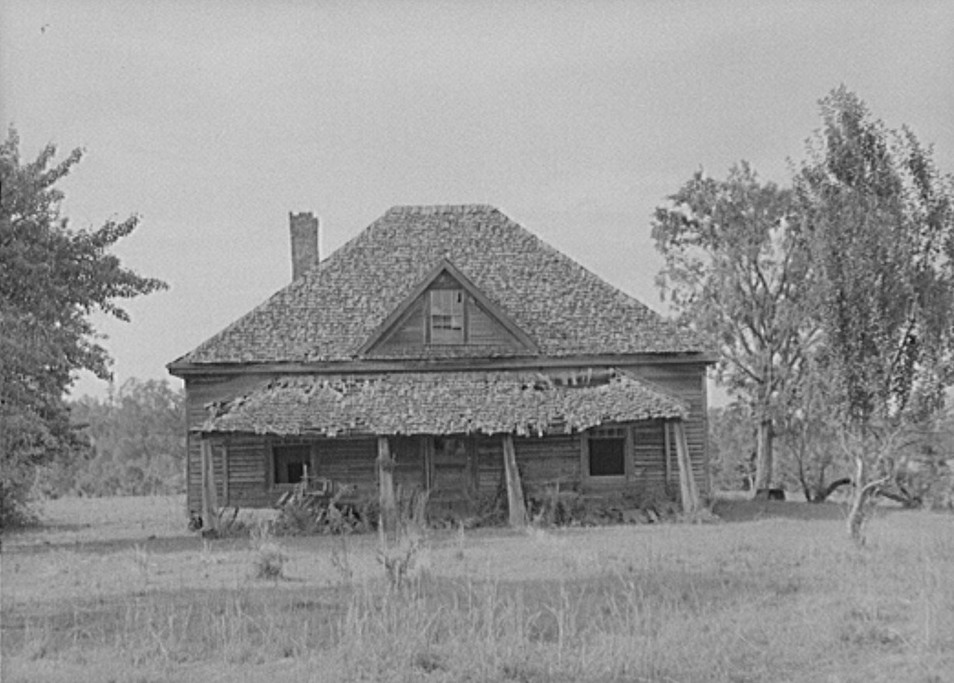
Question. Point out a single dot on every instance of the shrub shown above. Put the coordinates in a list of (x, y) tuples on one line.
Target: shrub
[(269, 562)]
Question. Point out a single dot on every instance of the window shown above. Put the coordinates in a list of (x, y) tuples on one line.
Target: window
[(290, 463), (607, 452), (447, 316)]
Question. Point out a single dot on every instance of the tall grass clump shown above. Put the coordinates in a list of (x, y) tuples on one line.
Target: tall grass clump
[(403, 550), (268, 559)]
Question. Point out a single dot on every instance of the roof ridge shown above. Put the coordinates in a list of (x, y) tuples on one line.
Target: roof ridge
[(433, 209)]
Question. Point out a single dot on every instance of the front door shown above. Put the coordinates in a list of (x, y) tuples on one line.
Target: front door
[(452, 469)]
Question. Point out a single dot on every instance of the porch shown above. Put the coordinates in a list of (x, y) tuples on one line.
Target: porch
[(457, 436)]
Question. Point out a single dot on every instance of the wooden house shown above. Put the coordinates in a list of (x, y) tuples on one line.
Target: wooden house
[(446, 348)]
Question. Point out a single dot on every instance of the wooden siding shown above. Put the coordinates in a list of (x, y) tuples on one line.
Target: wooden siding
[(409, 330), (490, 470), (687, 382), (243, 477), (649, 455), (199, 392), (194, 476), (248, 472), (483, 328), (556, 456), (409, 333), (549, 460), (408, 454), (349, 461)]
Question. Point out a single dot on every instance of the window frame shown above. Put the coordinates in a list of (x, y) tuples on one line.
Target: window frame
[(273, 451), (610, 432), (449, 335)]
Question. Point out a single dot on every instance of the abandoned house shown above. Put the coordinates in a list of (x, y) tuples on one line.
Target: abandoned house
[(445, 348)]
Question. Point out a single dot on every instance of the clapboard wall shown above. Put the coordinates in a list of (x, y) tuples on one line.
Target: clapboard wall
[(688, 382), (242, 462), (201, 391)]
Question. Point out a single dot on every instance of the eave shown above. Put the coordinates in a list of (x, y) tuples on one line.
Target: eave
[(459, 403), (181, 369)]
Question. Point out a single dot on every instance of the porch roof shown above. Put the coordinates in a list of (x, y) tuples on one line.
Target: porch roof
[(521, 403)]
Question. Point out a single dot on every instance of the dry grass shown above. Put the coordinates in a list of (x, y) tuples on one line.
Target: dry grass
[(776, 598)]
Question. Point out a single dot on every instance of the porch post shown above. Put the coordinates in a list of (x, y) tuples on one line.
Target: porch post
[(387, 524), (210, 504), (515, 503), (668, 446), (687, 482)]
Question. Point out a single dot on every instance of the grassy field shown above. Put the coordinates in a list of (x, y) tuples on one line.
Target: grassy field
[(117, 590)]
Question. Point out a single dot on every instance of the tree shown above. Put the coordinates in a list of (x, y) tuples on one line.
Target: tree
[(881, 226), (136, 444), (811, 458), (732, 447), (51, 279), (738, 271)]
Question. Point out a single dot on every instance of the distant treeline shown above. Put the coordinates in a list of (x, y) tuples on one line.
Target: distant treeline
[(130, 443)]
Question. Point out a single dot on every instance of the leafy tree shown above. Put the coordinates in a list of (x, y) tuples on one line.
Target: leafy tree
[(738, 271), (732, 447), (881, 225), (811, 459), (51, 279), (136, 444)]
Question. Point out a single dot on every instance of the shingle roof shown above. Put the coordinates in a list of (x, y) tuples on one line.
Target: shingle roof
[(442, 403), (333, 309)]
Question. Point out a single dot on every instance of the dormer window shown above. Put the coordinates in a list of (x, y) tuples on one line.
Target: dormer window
[(447, 316)]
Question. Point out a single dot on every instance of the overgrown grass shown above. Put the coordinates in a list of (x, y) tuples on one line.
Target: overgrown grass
[(770, 600)]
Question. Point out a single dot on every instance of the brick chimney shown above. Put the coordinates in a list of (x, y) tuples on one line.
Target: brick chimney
[(304, 242)]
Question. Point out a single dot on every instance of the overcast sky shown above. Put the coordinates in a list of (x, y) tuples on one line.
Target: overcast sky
[(213, 120)]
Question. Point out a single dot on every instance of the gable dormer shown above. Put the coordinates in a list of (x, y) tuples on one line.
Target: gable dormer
[(446, 311)]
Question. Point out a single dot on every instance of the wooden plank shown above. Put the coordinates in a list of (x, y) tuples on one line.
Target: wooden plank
[(408, 455), (387, 523), (687, 480), (428, 448), (490, 473), (210, 506), (221, 450), (686, 381), (697, 363), (515, 503), (549, 459), (668, 451)]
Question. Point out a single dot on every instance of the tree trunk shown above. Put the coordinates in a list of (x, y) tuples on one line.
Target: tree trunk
[(515, 504), (861, 493), (387, 521), (823, 495), (906, 499), (763, 457)]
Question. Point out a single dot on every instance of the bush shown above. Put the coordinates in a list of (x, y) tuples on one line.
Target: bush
[(14, 499), (269, 562)]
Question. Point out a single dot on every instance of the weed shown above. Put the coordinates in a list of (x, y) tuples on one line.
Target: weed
[(269, 562), (341, 562), (402, 563), (142, 563), (268, 559), (774, 599)]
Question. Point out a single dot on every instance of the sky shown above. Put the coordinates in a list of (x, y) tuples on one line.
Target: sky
[(213, 120)]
